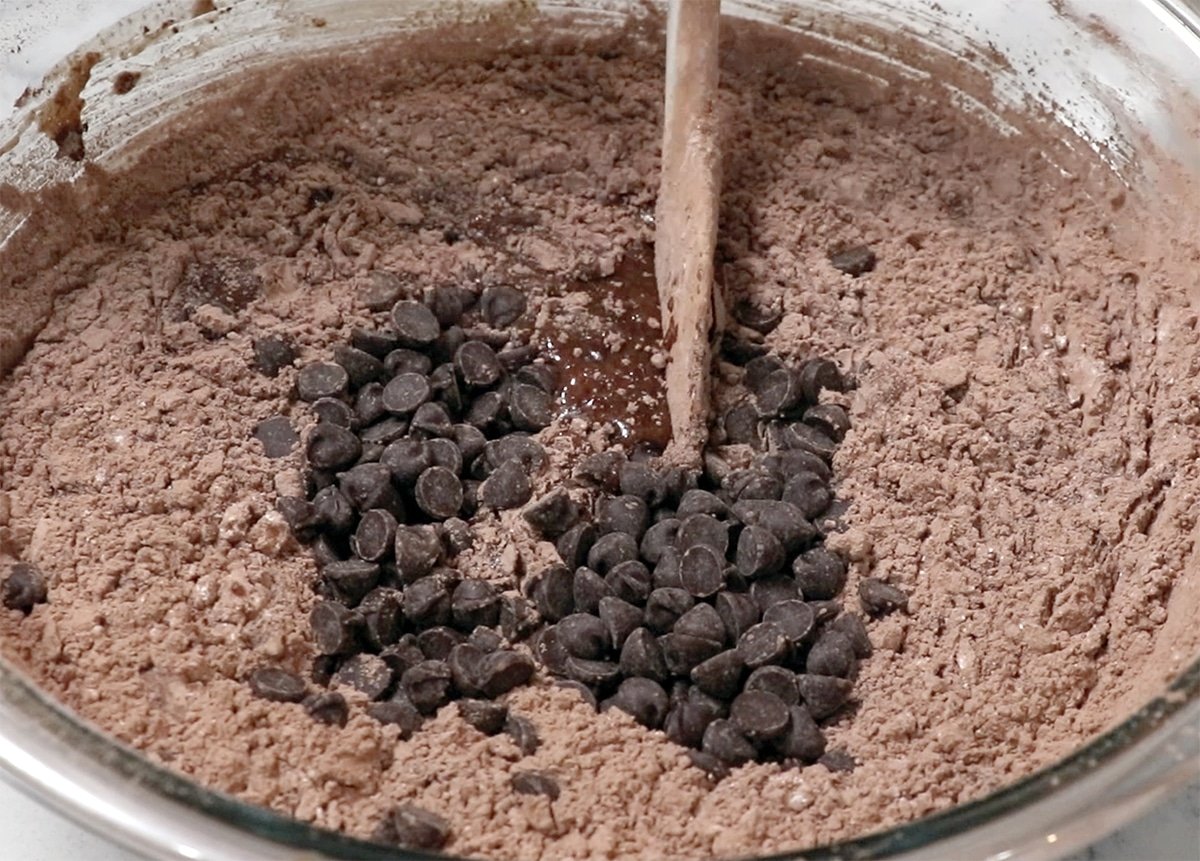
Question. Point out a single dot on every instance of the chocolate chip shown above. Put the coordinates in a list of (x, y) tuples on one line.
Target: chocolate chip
[(713, 767), (418, 550), (535, 783), (764, 643), (630, 581), (382, 617), (657, 538), (820, 574), (406, 459), (404, 393), (643, 481), (795, 618), (757, 317), (351, 579), (531, 408), (831, 655), (322, 380), (523, 733), (758, 485), (507, 487), (721, 675), (332, 447), (759, 552), (725, 741), (702, 571), (738, 613), (368, 674), (501, 306), (665, 606), (399, 713), (549, 651), (667, 573), (334, 511), (604, 468), (465, 661), (759, 369), (823, 695), (384, 432), (553, 514), (375, 343), (439, 493), (427, 685), (517, 616), (502, 671), (774, 680), (838, 761), (361, 367), (470, 441), (878, 598), (405, 361), (620, 618), (375, 538), (334, 628), (628, 514), (644, 699), (414, 827), (368, 486), (368, 406), (583, 635), (477, 365), (856, 632), (448, 303), (741, 426), (591, 672), (779, 394), (785, 521), (818, 375), (769, 591), (803, 437), (829, 419), (516, 446), (804, 739), (553, 593), (700, 502), (328, 708), (484, 715), (683, 652), (642, 655), (381, 291), (686, 722), (24, 588), (402, 654), (761, 715), (426, 602), (704, 622), (272, 355), (585, 693), (415, 325), (855, 261), (474, 603), (790, 462), (611, 550), (280, 686), (807, 492), (589, 588), (703, 529), (277, 436)]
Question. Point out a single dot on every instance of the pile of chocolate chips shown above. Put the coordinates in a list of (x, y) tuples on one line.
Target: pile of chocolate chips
[(419, 425), (705, 604)]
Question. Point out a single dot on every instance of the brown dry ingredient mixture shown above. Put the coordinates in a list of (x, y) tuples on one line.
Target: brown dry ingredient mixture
[(1023, 459)]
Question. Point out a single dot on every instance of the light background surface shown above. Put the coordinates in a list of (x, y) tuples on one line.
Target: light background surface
[(36, 33)]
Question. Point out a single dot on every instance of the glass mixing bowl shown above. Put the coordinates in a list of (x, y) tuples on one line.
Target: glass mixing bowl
[(1123, 75)]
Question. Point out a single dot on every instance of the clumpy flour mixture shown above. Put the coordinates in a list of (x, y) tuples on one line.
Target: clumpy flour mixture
[(329, 435)]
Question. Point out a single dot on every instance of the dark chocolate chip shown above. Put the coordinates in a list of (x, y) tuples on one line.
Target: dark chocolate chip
[(759, 485), (713, 767), (704, 622), (823, 695), (758, 317), (878, 598), (332, 447), (484, 715), (741, 426), (277, 436), (642, 656), (829, 419), (795, 618), (643, 481), (630, 581), (334, 511), (620, 618), (759, 369), (477, 365), (439, 493), (448, 304), (838, 761), (774, 680), (368, 405), (416, 326), (523, 733), (761, 715), (664, 607), (780, 393), (531, 408), (583, 635), (769, 591), (406, 459), (272, 683), (381, 291), (404, 393), (802, 437), (804, 740), (351, 579), (300, 516), (418, 550), (759, 552), (790, 462), (517, 616), (535, 783), (405, 361), (553, 593), (644, 699), (738, 611), (328, 708), (470, 441), (702, 571), (334, 628), (764, 643), (516, 446), (657, 538), (427, 685), (501, 306), (831, 655), (700, 502), (603, 468), (507, 487), (721, 675), (611, 550), (368, 486), (726, 742), (382, 617), (361, 367), (818, 375), (444, 452), (439, 641), (585, 693), (322, 380), (705, 529), (375, 538), (683, 652), (466, 669), (538, 376), (402, 654), (808, 492), (487, 639), (384, 432), (852, 626), (667, 574), (272, 355), (553, 514), (589, 589), (854, 261), (24, 588), (414, 827), (820, 574), (502, 671), (628, 514), (426, 602), (782, 519), (686, 722), (375, 343), (475, 603), (368, 674), (592, 673), (549, 651), (398, 712)]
